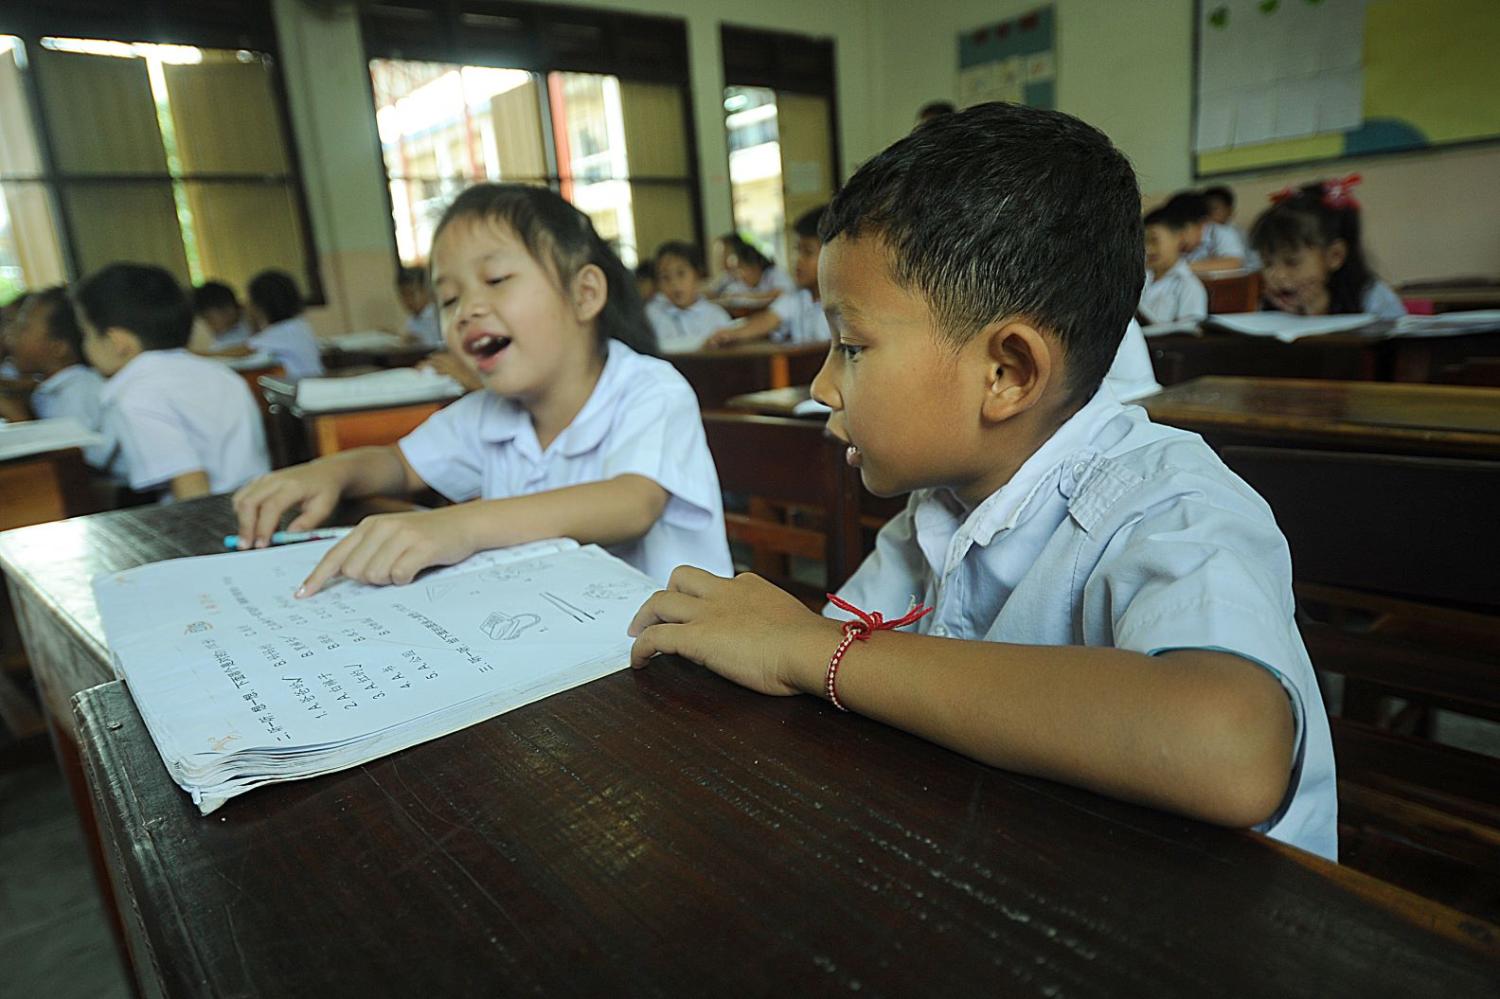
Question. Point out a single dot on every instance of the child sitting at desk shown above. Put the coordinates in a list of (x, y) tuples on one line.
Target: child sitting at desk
[(281, 330), (757, 279), (679, 313), (1315, 261), (1113, 607), (579, 432), (794, 317), (185, 426), (46, 344), (1206, 245), (217, 307), (421, 311), (1220, 201), (1172, 290)]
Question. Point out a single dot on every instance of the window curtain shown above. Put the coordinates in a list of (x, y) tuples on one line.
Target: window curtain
[(806, 136), (37, 245), (517, 120), (656, 147)]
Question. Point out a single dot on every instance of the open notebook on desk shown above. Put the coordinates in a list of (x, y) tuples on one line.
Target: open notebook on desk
[(1289, 328), (241, 685)]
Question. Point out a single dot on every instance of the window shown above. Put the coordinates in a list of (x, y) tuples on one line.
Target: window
[(778, 119), (169, 154), (535, 95)]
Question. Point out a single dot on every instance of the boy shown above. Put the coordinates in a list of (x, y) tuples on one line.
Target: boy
[(796, 316), (1206, 245), (1172, 290), (678, 311), (185, 426), (416, 297), (1220, 201), (1113, 606), (46, 343), (214, 303)]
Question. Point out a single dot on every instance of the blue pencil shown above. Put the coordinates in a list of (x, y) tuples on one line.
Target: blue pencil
[(232, 541)]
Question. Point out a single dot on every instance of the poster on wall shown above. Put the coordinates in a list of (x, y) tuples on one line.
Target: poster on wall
[(1013, 60)]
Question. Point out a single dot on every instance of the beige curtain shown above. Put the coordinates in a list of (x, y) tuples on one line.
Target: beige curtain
[(226, 120), (102, 119), (805, 128), (656, 146), (517, 120), (37, 245)]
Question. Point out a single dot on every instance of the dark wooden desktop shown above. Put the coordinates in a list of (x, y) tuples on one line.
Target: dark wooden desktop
[(665, 831), (717, 375)]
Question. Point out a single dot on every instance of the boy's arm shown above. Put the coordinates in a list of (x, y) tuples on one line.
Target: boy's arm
[(190, 485), (756, 326), (1201, 733), (393, 548)]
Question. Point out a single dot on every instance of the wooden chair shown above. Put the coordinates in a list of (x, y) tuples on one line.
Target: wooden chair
[(330, 433), (1234, 293), (789, 464), (1395, 561)]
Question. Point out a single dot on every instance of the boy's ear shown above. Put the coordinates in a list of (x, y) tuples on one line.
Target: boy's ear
[(1336, 254), (1020, 362), (590, 291), (123, 342)]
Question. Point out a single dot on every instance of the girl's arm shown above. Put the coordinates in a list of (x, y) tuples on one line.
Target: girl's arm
[(315, 488), (1201, 733), (393, 548), (756, 326)]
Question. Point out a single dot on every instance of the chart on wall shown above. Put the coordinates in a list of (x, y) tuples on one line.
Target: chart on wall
[(1281, 82), (1013, 60)]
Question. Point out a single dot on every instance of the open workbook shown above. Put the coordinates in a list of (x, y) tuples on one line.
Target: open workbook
[(241, 685)]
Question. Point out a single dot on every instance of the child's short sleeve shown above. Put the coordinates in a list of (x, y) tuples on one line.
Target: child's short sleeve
[(155, 446), (447, 450), (657, 432)]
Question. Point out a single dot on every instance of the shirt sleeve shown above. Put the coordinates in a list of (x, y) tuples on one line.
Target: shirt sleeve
[(1193, 304), (657, 432), (1382, 302), (1227, 242), (891, 576), (153, 442), (446, 451)]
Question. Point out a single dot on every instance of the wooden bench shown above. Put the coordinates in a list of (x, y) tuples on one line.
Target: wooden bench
[(1395, 559)]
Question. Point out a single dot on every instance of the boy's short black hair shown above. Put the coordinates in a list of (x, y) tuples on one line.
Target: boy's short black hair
[(1160, 216), (213, 295), (680, 248), (1220, 193), (62, 321), (1187, 206), (142, 298), (933, 109), (410, 277), (806, 226), (646, 270), (276, 295), (1006, 210), (747, 252)]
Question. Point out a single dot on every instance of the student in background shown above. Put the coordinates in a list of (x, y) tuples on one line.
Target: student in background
[(281, 330), (723, 278), (1113, 607), (1172, 290), (421, 310), (796, 317), (216, 305), (9, 373), (758, 280), (680, 314), (645, 281), (578, 433), (1220, 201), (1314, 259), (1206, 245), (46, 344), (185, 426)]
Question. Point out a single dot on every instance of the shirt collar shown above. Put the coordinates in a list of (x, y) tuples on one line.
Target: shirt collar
[(59, 378), (137, 367), (505, 419)]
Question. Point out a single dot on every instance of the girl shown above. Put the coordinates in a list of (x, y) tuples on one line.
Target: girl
[(1314, 260), (275, 313), (577, 433), (682, 318), (758, 281)]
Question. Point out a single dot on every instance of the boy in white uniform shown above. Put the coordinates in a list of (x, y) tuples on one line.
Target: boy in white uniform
[(1206, 245), (185, 426), (680, 314), (793, 316), (421, 311), (1113, 607), (1172, 290)]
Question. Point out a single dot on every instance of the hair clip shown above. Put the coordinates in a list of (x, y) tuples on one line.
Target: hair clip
[(1337, 193), (1285, 194)]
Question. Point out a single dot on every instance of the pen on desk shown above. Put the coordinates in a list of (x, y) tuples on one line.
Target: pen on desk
[(232, 541)]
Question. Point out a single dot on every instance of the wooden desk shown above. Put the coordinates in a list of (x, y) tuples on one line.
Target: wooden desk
[(300, 436), (775, 402), (1432, 420), (717, 375), (1455, 297), (337, 359), (1180, 357)]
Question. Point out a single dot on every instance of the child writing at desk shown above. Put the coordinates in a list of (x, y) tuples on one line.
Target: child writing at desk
[(1314, 258), (794, 317), (1113, 607), (578, 432), (46, 343), (680, 314)]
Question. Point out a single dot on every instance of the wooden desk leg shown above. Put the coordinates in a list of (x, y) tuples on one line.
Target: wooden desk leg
[(768, 565), (781, 372)]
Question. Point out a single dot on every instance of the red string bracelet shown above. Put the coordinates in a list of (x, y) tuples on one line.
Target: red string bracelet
[(861, 628)]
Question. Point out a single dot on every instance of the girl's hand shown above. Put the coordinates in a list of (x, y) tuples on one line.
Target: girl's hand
[(394, 547), (744, 629), (314, 489)]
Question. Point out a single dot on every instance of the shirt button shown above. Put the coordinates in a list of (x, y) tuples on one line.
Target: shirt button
[(940, 631), (1080, 468)]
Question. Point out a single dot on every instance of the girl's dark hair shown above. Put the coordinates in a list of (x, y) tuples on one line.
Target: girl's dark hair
[(747, 252), (1306, 219), (62, 321), (276, 295), (560, 236)]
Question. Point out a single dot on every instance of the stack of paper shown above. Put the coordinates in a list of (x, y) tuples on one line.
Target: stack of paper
[(241, 685), (396, 387), (17, 440), (1288, 328), (371, 341), (247, 362), (1449, 323)]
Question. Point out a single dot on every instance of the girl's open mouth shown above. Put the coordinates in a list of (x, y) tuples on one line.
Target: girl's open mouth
[(486, 348)]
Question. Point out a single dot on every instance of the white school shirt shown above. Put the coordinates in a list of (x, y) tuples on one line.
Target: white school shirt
[(1120, 533), (1131, 375), (1220, 240), (802, 318), (679, 330), (292, 343), (74, 391), (172, 412), (642, 418), (425, 327), (1380, 301), (1177, 294), (237, 334)]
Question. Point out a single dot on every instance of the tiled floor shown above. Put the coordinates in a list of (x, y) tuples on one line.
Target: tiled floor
[(54, 942)]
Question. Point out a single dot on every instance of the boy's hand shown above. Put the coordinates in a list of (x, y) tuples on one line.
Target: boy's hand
[(743, 628), (394, 547), (314, 489), (444, 363)]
